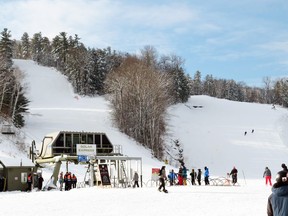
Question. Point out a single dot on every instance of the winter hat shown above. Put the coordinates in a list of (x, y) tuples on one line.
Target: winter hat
[(281, 177), (283, 165)]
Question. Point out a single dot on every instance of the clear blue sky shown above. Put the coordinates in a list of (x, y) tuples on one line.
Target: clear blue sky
[(242, 40)]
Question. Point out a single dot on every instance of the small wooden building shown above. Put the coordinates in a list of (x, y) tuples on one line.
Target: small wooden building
[(14, 172)]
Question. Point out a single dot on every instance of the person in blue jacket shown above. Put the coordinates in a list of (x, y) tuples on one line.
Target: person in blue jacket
[(172, 176), (206, 175), (278, 200), (184, 174)]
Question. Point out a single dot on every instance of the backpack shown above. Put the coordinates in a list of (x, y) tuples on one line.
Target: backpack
[(160, 172)]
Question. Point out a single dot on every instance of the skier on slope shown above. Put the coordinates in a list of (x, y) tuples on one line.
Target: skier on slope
[(267, 175)]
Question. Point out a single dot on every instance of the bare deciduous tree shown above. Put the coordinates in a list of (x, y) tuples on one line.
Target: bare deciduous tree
[(140, 95)]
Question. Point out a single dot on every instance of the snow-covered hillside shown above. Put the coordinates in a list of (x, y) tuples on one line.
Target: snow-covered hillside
[(210, 130), (214, 135), (54, 107)]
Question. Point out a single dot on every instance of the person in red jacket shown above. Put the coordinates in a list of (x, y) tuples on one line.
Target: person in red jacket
[(180, 177), (29, 182), (69, 181), (74, 181)]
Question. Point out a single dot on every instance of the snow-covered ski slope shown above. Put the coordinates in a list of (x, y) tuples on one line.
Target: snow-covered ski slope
[(212, 134), (54, 107)]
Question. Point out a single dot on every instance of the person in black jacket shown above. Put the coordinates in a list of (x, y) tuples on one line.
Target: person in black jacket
[(40, 182), (234, 173), (278, 201), (193, 175), (199, 174), (162, 178)]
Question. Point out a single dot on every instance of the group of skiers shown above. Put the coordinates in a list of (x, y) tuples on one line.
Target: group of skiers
[(198, 176), (69, 181), (180, 178)]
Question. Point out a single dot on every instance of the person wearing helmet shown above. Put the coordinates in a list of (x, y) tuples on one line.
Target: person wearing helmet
[(278, 200)]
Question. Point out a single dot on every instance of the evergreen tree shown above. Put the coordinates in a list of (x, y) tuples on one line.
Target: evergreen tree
[(61, 48), (26, 47), (209, 87), (76, 64), (183, 87), (97, 71), (6, 52), (60, 51), (36, 47), (46, 56), (172, 65), (197, 84)]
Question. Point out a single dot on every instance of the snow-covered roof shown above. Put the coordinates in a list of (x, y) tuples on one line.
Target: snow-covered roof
[(15, 162)]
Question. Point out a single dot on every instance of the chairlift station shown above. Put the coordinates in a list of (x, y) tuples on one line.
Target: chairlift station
[(62, 146)]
